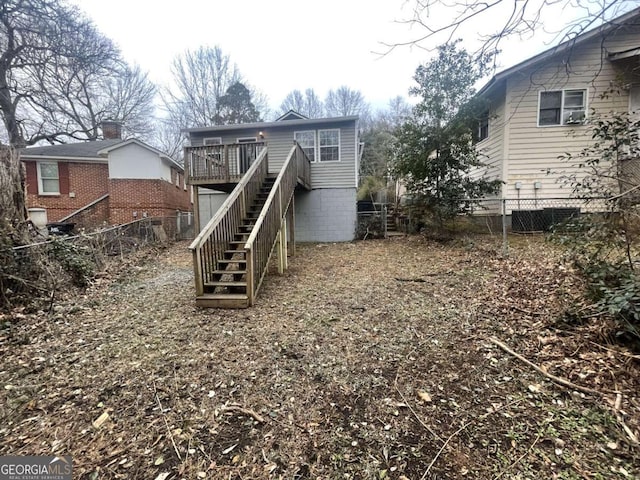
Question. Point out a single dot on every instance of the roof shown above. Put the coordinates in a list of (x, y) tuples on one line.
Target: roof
[(276, 124), (96, 150), (561, 48), (291, 115), (80, 150)]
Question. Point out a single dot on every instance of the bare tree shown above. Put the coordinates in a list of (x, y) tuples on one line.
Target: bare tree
[(307, 103), (441, 22), (345, 101), (58, 74), (201, 78)]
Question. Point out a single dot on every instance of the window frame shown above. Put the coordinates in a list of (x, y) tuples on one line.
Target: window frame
[(563, 107), (314, 147), (216, 141), (320, 147), (41, 179), (483, 127)]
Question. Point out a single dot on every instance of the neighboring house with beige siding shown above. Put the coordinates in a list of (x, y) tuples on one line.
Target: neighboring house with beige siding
[(326, 212), (540, 109)]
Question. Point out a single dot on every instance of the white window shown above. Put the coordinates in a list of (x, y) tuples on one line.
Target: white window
[(307, 141), (48, 178), (329, 145), (212, 141), (562, 107)]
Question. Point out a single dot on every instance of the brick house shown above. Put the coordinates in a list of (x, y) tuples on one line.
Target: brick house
[(111, 181)]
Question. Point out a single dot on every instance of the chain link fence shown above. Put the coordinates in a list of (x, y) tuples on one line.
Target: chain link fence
[(494, 216)]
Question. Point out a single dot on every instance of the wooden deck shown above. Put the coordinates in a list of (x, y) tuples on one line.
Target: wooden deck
[(220, 166)]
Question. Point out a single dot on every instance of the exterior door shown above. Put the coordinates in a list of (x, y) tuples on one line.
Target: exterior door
[(246, 153)]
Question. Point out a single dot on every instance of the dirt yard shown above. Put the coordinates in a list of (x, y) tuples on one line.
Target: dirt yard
[(370, 360)]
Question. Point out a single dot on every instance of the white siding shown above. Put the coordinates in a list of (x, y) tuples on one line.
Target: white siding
[(491, 148), (280, 139), (532, 151), (134, 161)]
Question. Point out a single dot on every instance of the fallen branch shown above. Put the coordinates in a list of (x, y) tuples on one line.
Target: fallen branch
[(417, 280), (247, 411), (559, 380)]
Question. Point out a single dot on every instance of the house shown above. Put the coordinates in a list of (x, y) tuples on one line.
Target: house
[(261, 186), (539, 109), (111, 181), (326, 212)]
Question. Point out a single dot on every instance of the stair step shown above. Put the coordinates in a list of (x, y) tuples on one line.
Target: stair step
[(223, 300), (229, 272), (225, 283), (233, 260), (234, 252)]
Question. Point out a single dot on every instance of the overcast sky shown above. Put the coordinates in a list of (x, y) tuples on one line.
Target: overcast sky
[(280, 45)]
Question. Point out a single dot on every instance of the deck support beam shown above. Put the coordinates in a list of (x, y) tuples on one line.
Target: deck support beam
[(282, 247), (292, 226)]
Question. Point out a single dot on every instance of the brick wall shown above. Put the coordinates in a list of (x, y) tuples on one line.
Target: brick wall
[(95, 216), (156, 198), (80, 184)]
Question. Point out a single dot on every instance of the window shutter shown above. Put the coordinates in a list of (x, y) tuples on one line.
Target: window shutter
[(32, 177), (63, 173)]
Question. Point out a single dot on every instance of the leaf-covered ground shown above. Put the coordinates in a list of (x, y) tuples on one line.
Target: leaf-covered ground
[(366, 360)]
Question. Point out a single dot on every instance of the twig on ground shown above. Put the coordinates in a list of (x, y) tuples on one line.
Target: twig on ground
[(427, 427), (630, 355), (444, 445), (416, 280), (559, 380), (247, 411), (517, 460), (175, 447), (527, 312), (617, 406)]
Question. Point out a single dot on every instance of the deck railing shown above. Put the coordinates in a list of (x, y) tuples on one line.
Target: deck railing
[(261, 242), (223, 163), (211, 243)]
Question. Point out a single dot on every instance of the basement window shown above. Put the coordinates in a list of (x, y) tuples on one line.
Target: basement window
[(48, 178)]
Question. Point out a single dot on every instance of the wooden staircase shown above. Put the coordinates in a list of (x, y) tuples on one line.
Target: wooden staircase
[(232, 252), (228, 286)]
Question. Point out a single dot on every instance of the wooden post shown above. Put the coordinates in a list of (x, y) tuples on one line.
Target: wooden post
[(292, 225), (185, 161), (226, 162), (250, 277), (282, 247), (196, 209), (197, 266)]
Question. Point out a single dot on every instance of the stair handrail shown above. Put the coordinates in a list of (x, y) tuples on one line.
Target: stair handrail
[(223, 225), (273, 213)]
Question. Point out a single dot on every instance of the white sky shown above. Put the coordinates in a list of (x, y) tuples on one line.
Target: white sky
[(280, 45)]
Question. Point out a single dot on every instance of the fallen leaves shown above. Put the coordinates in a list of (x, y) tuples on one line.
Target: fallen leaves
[(349, 365)]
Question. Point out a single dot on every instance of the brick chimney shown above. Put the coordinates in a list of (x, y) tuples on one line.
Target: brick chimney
[(111, 130)]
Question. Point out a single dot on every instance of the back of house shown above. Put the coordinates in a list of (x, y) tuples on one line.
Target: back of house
[(326, 212)]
